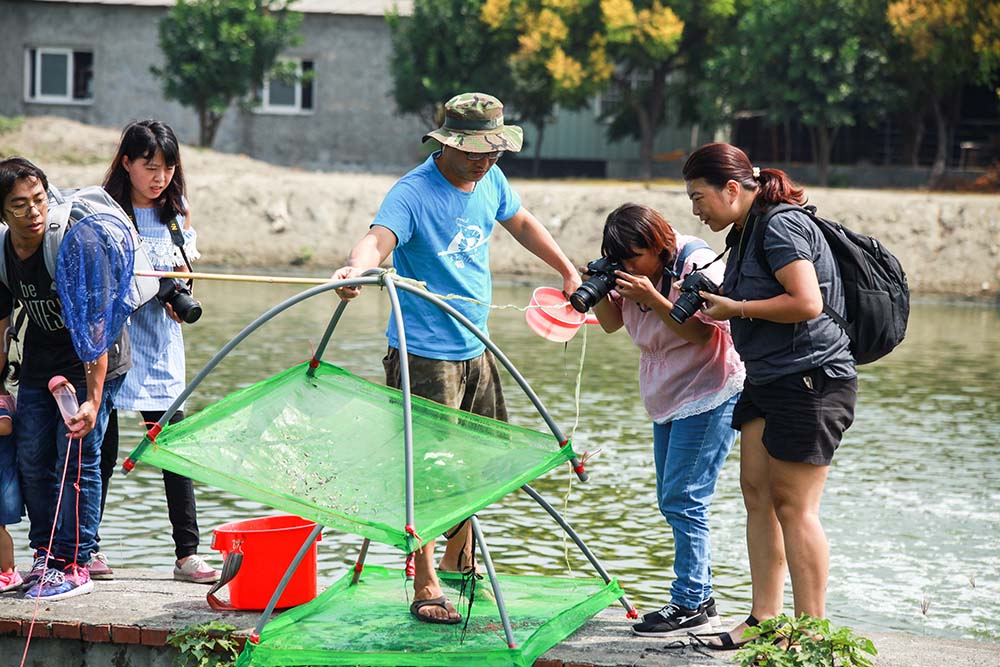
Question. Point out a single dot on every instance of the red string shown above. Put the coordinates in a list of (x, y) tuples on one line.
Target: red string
[(48, 550)]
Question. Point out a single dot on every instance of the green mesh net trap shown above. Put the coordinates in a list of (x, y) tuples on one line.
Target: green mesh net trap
[(329, 448), (326, 445), (368, 624)]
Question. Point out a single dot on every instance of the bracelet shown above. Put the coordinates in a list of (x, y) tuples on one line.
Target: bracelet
[(743, 310)]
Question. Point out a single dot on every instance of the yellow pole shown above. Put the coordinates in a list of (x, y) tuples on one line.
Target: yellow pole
[(235, 277)]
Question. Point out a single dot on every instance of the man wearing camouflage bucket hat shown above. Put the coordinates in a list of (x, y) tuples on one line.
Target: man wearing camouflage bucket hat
[(437, 222)]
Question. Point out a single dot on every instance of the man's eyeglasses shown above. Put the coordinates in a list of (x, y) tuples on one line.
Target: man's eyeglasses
[(476, 157), (22, 210)]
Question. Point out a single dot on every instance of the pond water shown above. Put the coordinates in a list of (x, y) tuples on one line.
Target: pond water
[(911, 509)]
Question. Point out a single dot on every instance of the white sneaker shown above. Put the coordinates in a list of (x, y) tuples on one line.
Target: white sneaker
[(195, 570)]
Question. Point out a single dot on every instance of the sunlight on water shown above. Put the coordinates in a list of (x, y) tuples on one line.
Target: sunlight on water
[(912, 506)]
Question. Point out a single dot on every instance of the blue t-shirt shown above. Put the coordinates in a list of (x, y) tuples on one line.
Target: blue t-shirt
[(772, 349), (442, 236)]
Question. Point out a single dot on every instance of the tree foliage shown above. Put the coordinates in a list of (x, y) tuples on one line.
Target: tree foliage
[(821, 62), (559, 59), (443, 49), (654, 44), (219, 51), (947, 44)]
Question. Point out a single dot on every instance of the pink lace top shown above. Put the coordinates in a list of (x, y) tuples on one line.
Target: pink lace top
[(678, 378)]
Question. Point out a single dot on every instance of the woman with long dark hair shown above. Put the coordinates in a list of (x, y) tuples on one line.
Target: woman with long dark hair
[(147, 180), (801, 380)]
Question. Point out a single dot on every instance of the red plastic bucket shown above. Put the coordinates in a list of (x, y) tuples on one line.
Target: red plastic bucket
[(268, 545)]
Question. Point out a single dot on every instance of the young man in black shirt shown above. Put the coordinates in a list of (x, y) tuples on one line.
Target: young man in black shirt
[(40, 435)]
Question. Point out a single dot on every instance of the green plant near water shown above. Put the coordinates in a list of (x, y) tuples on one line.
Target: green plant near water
[(206, 645), (814, 641)]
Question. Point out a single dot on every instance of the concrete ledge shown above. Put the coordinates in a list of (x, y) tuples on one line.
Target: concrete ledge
[(126, 623)]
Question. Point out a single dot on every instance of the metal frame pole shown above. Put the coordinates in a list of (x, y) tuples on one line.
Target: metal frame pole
[(359, 564), (321, 348), (579, 543), (404, 386), (266, 614), (501, 607)]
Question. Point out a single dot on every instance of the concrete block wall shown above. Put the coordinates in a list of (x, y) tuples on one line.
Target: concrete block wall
[(355, 123)]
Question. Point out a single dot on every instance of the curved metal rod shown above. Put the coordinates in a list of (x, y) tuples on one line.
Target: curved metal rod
[(579, 543), (448, 308), (404, 385), (236, 340)]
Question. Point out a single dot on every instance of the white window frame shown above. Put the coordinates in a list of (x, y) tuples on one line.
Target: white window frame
[(39, 98), (265, 106)]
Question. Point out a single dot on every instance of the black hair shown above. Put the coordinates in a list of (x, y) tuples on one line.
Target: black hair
[(632, 226), (142, 139), (720, 163), (14, 169)]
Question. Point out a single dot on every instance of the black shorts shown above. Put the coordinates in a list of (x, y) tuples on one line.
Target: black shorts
[(805, 414)]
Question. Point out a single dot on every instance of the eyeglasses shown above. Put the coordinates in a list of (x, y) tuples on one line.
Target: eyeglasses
[(22, 210), (476, 157)]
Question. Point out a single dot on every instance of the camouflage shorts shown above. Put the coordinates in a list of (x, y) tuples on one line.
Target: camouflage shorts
[(472, 385)]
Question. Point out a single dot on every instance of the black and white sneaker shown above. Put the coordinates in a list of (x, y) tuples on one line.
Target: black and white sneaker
[(708, 606), (672, 620)]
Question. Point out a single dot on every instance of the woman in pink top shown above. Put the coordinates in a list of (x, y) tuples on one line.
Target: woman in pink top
[(689, 378)]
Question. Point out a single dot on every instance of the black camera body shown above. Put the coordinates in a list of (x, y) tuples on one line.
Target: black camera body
[(689, 301), (177, 293), (596, 287)]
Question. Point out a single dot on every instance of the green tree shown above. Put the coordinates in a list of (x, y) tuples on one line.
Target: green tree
[(822, 62), (219, 51), (443, 49), (659, 47), (559, 61), (950, 44)]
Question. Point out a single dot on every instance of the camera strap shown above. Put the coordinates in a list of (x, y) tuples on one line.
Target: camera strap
[(177, 236)]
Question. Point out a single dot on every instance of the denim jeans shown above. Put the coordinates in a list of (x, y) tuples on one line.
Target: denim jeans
[(689, 454), (40, 435)]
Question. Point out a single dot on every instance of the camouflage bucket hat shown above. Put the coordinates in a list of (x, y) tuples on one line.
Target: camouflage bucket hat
[(473, 122)]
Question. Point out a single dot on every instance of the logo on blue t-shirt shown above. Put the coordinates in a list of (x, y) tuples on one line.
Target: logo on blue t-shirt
[(469, 238)]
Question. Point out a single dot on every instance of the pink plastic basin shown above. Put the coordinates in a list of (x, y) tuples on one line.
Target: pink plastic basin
[(552, 317)]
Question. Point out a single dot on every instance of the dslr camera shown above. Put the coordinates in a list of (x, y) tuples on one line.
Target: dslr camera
[(177, 293), (689, 301), (596, 287)]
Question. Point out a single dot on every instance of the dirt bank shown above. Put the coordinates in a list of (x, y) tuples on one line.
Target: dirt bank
[(252, 214)]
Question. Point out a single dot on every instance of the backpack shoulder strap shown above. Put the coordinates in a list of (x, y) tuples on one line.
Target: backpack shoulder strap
[(760, 227), (686, 252), (758, 245), (54, 233)]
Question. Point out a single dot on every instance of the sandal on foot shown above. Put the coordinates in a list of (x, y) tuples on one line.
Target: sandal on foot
[(442, 602), (726, 642)]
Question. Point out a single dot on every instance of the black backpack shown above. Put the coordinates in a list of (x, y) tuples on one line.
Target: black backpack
[(876, 295)]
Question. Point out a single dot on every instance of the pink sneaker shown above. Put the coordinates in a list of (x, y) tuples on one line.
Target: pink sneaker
[(99, 568), (195, 570), (62, 584), (10, 581)]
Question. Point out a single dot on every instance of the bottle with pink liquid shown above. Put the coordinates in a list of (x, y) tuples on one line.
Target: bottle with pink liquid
[(65, 395)]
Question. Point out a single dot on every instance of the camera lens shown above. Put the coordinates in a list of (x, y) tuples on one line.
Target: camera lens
[(186, 308), (591, 291), (684, 307)]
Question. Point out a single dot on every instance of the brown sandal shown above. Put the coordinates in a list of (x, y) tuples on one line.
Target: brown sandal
[(442, 602)]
